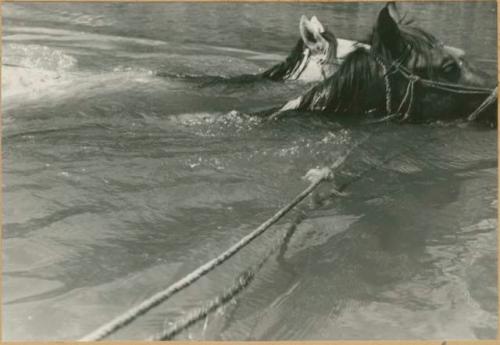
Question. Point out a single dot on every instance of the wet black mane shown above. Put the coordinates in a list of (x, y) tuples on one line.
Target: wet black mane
[(341, 91), (279, 71)]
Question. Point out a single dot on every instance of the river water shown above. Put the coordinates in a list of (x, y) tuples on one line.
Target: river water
[(128, 162)]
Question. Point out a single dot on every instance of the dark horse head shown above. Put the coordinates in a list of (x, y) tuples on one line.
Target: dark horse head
[(315, 57), (407, 74)]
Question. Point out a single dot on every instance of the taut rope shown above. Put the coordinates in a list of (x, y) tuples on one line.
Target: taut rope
[(491, 98), (245, 278), (241, 282), (158, 298), (155, 300)]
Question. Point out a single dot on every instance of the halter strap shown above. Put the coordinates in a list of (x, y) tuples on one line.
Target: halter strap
[(397, 67), (299, 69)]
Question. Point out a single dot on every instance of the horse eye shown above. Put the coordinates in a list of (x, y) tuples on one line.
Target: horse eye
[(450, 66)]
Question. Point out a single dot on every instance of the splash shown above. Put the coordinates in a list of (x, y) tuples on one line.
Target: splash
[(33, 73), (28, 70), (217, 124), (37, 56)]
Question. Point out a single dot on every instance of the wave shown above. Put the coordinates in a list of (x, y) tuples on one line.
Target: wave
[(23, 34), (38, 73), (23, 85)]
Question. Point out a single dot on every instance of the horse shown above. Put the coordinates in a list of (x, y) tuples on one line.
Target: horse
[(407, 75), (316, 55)]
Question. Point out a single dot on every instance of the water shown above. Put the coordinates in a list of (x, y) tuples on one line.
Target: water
[(118, 181)]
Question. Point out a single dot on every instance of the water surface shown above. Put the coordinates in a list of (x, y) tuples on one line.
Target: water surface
[(126, 165)]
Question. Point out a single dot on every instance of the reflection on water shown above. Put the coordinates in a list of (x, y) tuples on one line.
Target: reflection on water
[(127, 164)]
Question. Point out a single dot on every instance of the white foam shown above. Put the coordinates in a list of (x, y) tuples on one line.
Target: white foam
[(21, 85), (29, 70), (37, 56), (27, 82)]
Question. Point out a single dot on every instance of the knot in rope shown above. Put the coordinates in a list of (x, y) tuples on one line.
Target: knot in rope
[(314, 175), (414, 78)]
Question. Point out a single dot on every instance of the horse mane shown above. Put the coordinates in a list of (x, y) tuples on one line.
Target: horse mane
[(333, 46), (281, 70), (341, 92), (420, 42)]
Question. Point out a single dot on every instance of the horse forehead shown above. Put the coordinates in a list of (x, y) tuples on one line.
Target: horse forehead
[(345, 47), (444, 52), (456, 52)]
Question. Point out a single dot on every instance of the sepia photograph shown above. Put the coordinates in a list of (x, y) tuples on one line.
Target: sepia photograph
[(249, 171)]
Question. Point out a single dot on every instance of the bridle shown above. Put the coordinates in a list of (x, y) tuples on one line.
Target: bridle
[(306, 58), (403, 112)]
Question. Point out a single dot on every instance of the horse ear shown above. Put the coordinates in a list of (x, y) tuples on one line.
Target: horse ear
[(317, 24), (388, 30), (393, 11)]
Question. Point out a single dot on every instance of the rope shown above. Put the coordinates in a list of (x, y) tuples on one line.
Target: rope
[(247, 276), (409, 93), (239, 285), (451, 87), (411, 87), (388, 91), (458, 89), (133, 313), (491, 98), (155, 300)]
